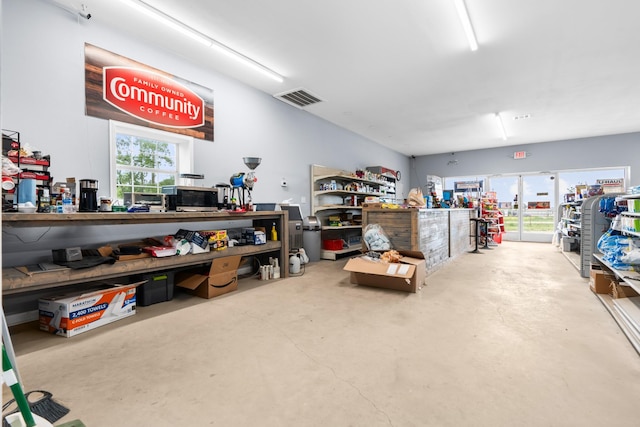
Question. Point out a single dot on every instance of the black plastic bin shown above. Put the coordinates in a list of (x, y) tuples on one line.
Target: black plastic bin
[(159, 288)]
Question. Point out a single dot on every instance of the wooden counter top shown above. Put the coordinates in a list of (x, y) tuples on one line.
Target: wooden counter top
[(114, 218)]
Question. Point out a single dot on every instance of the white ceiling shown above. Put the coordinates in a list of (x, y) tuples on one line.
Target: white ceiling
[(400, 71)]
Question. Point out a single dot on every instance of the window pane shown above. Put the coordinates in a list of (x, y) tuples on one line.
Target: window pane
[(166, 156), (124, 177), (145, 160), (123, 146)]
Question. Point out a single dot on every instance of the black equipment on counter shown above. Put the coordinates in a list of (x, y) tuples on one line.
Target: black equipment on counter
[(88, 195)]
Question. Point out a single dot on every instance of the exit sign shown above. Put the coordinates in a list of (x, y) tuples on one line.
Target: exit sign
[(519, 155)]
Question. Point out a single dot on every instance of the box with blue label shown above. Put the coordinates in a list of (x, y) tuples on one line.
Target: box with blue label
[(70, 315)]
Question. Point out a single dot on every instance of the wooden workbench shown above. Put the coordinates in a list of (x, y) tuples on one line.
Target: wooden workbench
[(14, 281)]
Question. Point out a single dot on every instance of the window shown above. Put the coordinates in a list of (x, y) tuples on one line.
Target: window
[(143, 159)]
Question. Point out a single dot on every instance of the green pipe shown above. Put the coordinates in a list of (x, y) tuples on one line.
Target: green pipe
[(11, 380)]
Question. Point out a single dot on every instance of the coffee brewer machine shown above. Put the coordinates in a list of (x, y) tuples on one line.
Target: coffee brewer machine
[(88, 195), (224, 191)]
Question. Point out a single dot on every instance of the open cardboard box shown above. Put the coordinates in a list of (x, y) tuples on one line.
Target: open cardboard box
[(409, 275), (221, 277)]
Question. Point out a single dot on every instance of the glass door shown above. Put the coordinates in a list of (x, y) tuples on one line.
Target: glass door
[(507, 189), (538, 207), (528, 205)]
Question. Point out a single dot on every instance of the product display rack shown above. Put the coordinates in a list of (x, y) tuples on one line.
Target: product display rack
[(388, 179), (31, 168), (570, 214), (493, 216), (631, 219), (337, 199)]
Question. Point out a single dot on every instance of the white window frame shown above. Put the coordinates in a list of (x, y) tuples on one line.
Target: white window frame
[(184, 153)]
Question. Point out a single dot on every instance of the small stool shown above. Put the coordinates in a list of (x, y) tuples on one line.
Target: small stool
[(477, 221)]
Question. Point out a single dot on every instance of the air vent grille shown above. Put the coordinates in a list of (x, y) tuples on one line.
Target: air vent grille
[(299, 98)]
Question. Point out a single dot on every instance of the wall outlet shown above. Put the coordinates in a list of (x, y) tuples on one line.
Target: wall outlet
[(283, 182), (303, 199)]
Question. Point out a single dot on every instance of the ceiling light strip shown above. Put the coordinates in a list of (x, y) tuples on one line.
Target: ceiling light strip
[(186, 30), (463, 14), (503, 131)]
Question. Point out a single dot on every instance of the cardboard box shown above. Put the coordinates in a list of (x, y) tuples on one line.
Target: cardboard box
[(619, 291), (600, 281), (633, 205), (221, 277), (218, 239), (408, 275), (70, 315)]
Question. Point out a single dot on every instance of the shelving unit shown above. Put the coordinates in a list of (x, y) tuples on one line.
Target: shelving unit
[(388, 180), (625, 311), (32, 168), (570, 214), (631, 218), (493, 215), (337, 199), (14, 281)]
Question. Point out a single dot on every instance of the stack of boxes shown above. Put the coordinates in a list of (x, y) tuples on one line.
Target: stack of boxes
[(632, 223), (218, 239)]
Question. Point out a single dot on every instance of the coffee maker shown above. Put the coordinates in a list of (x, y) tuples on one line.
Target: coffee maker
[(88, 195), (223, 195)]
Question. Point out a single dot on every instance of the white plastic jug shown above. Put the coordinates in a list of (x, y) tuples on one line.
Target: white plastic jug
[(294, 264)]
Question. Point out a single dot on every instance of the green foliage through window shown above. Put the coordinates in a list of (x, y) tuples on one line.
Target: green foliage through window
[(144, 164)]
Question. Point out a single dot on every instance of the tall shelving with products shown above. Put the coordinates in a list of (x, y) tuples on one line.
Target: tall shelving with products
[(31, 167), (570, 214), (337, 199), (625, 311), (388, 179), (493, 216)]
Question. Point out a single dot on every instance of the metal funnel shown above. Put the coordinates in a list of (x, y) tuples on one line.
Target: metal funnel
[(251, 162)]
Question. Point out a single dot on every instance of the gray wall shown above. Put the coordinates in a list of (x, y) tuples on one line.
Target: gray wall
[(42, 92), (583, 153), (43, 98)]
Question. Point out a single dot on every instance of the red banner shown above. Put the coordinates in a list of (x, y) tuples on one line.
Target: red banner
[(122, 89)]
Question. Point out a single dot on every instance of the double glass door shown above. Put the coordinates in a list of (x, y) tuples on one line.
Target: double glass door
[(528, 203)]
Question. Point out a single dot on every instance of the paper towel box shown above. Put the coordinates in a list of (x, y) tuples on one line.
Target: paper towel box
[(72, 314)]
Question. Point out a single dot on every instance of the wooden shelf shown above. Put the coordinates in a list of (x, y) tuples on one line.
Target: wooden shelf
[(333, 255), (348, 193), (14, 281), (335, 207), (116, 218), (340, 227)]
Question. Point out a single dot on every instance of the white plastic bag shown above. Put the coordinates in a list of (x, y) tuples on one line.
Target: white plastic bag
[(375, 238)]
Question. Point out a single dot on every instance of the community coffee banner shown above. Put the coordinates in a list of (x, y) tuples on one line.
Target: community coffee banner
[(122, 89)]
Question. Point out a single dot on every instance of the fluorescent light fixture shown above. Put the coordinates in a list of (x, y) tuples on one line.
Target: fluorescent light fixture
[(501, 126), (186, 30), (463, 14)]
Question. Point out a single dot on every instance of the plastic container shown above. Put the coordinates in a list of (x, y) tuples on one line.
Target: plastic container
[(159, 288), (332, 244), (67, 202)]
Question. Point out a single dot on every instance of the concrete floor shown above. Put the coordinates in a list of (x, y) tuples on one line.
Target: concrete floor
[(509, 337)]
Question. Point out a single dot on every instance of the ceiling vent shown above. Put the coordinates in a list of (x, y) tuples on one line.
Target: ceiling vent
[(300, 98)]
